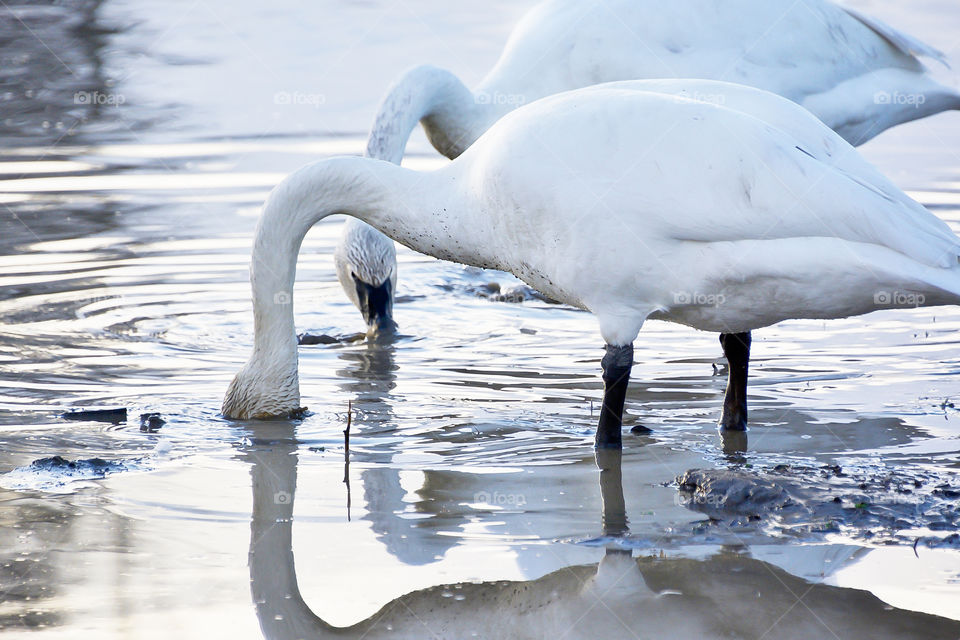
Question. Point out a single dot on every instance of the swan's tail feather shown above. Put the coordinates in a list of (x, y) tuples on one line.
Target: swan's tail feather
[(904, 42), (916, 284), (947, 281)]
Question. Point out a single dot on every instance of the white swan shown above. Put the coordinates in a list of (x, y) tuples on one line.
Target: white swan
[(855, 73), (632, 200)]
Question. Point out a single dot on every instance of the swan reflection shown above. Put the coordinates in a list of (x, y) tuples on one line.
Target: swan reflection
[(369, 376), (727, 595)]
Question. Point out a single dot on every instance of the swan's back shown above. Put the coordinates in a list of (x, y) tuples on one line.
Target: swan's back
[(648, 161), (790, 48), (831, 60)]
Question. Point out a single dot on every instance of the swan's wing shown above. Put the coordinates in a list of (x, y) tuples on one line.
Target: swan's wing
[(814, 137), (677, 168), (847, 68), (904, 42), (645, 164), (796, 49), (799, 181), (769, 107)]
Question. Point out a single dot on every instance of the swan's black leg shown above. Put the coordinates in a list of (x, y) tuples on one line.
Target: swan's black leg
[(736, 347), (616, 364)]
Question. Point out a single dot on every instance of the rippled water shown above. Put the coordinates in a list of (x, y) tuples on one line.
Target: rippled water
[(139, 141)]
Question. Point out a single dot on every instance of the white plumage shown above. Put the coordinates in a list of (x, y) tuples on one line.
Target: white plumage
[(632, 200), (857, 74)]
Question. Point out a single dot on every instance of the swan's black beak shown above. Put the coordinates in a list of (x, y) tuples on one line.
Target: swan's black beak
[(376, 305)]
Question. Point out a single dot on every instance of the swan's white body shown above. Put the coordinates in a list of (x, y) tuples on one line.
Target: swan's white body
[(855, 73), (631, 200)]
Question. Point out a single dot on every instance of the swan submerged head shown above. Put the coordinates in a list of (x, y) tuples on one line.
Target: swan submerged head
[(366, 262), (262, 393)]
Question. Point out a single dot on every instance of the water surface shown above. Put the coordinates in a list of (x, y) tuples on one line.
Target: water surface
[(139, 141)]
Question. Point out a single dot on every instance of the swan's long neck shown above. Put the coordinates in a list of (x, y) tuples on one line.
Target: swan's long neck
[(421, 210), (361, 187), (452, 115), (429, 212)]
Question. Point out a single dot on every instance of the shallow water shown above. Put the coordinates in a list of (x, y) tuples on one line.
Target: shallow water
[(125, 223)]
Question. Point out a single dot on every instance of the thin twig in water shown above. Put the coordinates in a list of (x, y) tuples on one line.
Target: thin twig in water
[(346, 455)]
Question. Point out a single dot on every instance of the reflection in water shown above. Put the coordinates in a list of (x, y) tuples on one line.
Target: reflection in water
[(728, 595), (370, 376), (51, 57), (47, 94), (29, 578), (273, 581), (614, 513), (734, 445)]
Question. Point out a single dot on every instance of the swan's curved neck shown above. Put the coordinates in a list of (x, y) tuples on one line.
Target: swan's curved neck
[(405, 205), (452, 116), (428, 212), (359, 187)]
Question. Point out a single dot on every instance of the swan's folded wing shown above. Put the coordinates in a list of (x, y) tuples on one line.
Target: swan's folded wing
[(667, 167), (770, 108), (857, 210), (780, 187), (902, 41)]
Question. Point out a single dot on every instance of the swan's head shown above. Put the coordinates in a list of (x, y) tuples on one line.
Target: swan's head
[(366, 262), (262, 392)]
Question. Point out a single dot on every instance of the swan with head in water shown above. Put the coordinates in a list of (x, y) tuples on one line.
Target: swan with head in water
[(855, 73), (632, 200)]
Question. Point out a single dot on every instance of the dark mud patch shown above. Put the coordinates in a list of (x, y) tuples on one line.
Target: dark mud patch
[(151, 422), (92, 466), (115, 416), (797, 501), (58, 474), (495, 292)]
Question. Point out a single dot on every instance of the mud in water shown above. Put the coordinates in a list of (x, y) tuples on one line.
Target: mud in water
[(881, 507)]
